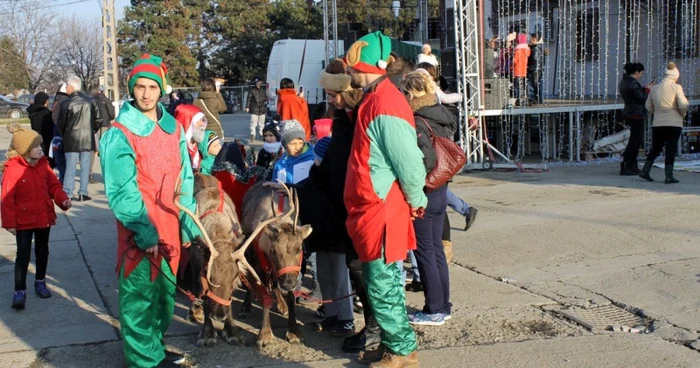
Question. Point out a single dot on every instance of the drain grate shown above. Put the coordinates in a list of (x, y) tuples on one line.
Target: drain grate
[(599, 319)]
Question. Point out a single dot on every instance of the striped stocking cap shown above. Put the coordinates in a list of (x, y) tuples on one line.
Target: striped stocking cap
[(151, 67)]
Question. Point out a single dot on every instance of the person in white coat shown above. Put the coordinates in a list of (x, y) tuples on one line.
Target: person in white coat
[(668, 104)]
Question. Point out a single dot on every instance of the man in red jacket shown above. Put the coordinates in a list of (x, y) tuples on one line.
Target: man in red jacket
[(383, 192)]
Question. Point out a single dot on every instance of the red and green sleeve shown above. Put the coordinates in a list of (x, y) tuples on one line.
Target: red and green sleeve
[(118, 158)]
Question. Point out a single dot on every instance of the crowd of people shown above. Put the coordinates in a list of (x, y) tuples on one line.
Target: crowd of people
[(520, 60), (367, 159)]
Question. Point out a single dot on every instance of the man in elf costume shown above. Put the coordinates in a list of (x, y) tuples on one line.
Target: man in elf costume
[(383, 192), (143, 156)]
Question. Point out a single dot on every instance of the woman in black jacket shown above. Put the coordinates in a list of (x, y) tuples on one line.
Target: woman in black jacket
[(42, 122), (431, 118), (634, 113)]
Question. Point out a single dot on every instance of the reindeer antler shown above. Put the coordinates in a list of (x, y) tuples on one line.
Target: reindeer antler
[(239, 254), (213, 252)]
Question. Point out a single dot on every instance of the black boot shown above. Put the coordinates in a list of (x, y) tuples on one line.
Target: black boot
[(367, 339), (626, 170), (634, 166), (669, 175), (645, 171)]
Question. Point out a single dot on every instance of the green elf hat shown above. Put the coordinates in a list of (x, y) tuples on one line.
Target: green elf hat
[(370, 54), (151, 67)]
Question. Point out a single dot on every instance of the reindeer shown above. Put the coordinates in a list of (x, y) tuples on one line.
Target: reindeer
[(277, 254), (222, 235)]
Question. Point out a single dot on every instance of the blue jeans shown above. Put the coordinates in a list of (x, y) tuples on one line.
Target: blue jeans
[(71, 165), (456, 203)]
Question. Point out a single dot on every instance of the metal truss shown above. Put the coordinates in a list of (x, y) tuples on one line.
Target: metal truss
[(330, 29), (467, 40)]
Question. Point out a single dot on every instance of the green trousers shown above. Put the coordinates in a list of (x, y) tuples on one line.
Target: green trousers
[(388, 302), (145, 311)]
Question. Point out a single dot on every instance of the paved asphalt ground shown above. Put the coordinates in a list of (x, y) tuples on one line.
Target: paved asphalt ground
[(573, 236)]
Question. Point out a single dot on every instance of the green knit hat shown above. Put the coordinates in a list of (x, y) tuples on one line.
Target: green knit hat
[(151, 67), (370, 53)]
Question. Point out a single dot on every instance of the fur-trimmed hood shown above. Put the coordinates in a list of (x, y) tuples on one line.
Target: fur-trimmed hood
[(423, 101)]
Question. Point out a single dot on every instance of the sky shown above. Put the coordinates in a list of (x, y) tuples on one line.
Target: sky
[(90, 8)]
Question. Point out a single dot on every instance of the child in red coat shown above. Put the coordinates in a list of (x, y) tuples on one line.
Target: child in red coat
[(29, 189)]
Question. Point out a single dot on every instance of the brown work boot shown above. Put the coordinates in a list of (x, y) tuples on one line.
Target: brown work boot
[(391, 360), (447, 246)]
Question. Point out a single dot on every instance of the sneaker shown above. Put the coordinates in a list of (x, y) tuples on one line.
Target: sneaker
[(409, 276), (420, 318), (82, 198), (470, 218), (320, 312), (175, 358), (41, 289), (447, 316), (19, 299), (343, 328)]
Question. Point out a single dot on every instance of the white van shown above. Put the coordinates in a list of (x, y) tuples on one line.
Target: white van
[(302, 62)]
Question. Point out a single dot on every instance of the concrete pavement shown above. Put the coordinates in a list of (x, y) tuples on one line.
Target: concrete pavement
[(571, 236)]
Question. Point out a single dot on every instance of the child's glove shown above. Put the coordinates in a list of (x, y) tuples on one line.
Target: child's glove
[(67, 204), (12, 231)]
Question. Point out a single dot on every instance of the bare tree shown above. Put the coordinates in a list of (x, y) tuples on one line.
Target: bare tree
[(81, 51), (32, 29)]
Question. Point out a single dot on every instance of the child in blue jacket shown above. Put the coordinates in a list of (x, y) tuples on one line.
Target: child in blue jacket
[(298, 158)]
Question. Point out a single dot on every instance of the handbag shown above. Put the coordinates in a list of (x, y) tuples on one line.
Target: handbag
[(450, 159)]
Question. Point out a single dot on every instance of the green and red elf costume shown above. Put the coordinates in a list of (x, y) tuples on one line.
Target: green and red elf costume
[(141, 161), (384, 183)]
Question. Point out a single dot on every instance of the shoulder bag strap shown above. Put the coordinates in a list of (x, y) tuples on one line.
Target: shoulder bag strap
[(215, 119)]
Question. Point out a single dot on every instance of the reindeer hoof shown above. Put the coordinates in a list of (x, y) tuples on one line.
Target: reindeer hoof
[(265, 339), (294, 337), (231, 337), (206, 342)]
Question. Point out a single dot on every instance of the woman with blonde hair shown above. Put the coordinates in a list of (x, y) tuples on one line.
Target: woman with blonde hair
[(668, 104), (431, 118)]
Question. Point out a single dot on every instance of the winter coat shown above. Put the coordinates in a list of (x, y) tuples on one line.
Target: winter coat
[(212, 103), (535, 63), (207, 160), (78, 122), (668, 104), (442, 122), (56, 108), (28, 195), (291, 106), (635, 96), (292, 170), (385, 178), (42, 123), (522, 53), (333, 172), (315, 210), (257, 101), (266, 158), (106, 109), (430, 59)]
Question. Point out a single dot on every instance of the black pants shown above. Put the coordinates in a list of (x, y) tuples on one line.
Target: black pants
[(632, 150), (355, 267), (534, 80), (446, 236), (665, 137), (24, 252), (432, 264)]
